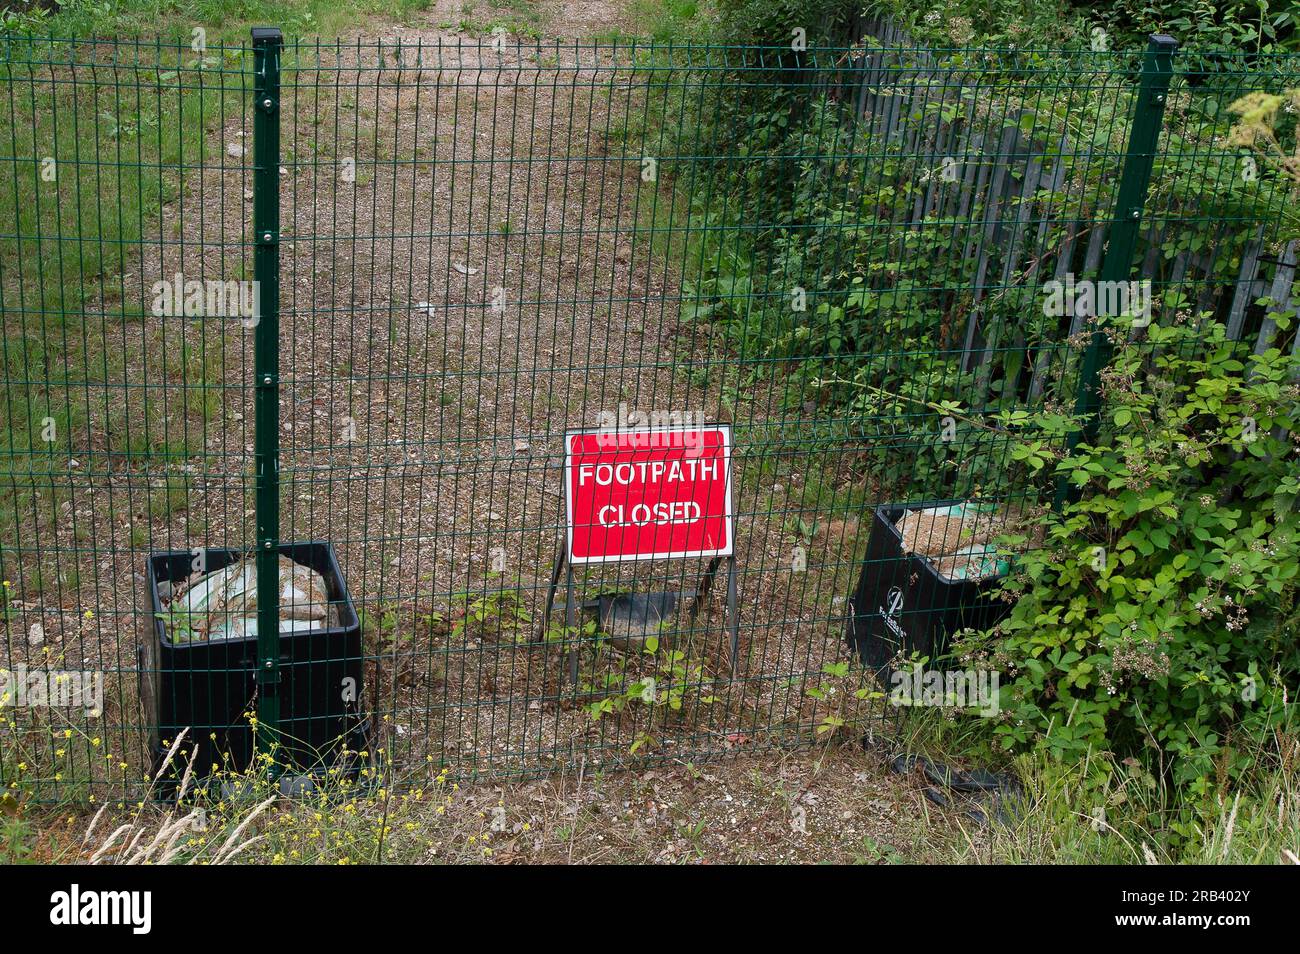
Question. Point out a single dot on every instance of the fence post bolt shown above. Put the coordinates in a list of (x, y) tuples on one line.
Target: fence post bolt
[(267, 44), (1117, 266)]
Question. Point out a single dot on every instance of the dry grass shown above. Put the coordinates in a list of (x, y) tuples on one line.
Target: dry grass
[(837, 804)]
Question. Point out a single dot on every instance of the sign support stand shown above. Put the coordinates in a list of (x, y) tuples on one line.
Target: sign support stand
[(702, 589), (615, 481), (571, 621)]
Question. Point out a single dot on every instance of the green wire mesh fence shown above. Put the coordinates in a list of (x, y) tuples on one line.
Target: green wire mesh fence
[(476, 248)]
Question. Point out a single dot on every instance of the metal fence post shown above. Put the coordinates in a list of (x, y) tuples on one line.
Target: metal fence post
[(1117, 266), (267, 43)]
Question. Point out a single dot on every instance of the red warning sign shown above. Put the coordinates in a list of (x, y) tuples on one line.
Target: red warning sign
[(648, 494)]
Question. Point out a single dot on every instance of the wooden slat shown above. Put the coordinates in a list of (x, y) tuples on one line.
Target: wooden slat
[(978, 207), (1242, 296), (1282, 294)]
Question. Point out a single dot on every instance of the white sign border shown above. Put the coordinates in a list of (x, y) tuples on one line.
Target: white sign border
[(729, 516)]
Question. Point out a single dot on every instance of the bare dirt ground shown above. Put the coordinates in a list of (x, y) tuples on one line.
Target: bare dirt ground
[(832, 805), (466, 273), (810, 807)]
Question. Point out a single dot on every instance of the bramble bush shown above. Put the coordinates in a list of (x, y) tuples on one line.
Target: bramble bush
[(1159, 620), (1210, 26)]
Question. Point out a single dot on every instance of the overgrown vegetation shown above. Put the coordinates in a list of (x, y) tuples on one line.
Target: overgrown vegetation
[(1158, 624), (1211, 26), (1150, 663)]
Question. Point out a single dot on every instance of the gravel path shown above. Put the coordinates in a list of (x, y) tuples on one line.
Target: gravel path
[(466, 274)]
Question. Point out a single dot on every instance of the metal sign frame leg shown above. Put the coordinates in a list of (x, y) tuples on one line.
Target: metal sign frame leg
[(733, 616), (563, 566), (702, 588)]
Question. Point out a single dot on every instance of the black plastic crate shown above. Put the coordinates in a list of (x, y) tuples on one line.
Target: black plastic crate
[(209, 686), (901, 601)]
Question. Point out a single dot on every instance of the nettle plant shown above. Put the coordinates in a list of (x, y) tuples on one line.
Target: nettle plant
[(1158, 620)]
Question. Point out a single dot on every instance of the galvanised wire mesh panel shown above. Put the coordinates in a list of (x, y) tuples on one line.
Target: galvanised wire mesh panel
[(1220, 230), (841, 253), (125, 427)]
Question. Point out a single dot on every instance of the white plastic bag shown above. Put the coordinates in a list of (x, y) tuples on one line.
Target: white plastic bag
[(223, 604)]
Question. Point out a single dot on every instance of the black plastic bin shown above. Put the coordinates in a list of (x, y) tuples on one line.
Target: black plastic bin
[(901, 601), (209, 686)]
